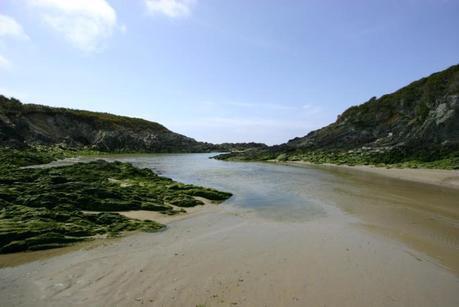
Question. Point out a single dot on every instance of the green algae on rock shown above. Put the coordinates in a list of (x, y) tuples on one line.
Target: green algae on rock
[(44, 208), (26, 228)]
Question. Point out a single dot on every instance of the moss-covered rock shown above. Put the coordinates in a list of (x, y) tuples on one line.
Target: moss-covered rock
[(51, 207)]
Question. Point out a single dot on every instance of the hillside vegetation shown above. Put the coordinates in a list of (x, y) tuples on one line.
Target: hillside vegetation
[(23, 125), (32, 125), (417, 125)]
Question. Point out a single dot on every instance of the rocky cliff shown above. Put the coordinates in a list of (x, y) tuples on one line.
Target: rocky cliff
[(29, 124), (419, 121), (426, 112)]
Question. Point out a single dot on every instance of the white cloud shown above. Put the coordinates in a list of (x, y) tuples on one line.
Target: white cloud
[(4, 63), (170, 8), (9, 27), (86, 24)]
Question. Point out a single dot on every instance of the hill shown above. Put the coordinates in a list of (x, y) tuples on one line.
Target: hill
[(30, 124), (419, 122)]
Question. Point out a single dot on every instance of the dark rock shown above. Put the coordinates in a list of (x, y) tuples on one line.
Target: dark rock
[(419, 122), (22, 125)]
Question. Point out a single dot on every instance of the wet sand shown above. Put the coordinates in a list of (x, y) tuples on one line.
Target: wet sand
[(380, 241), (440, 177), (208, 206), (231, 258), (421, 213)]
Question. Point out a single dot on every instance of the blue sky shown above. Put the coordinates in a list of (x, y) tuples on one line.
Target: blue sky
[(220, 70)]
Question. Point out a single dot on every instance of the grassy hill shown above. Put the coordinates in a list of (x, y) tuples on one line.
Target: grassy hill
[(30, 124), (416, 125)]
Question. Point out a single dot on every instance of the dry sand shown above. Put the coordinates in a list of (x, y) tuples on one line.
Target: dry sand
[(234, 258)]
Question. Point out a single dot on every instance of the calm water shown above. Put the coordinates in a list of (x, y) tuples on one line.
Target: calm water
[(423, 216), (298, 192), (272, 191)]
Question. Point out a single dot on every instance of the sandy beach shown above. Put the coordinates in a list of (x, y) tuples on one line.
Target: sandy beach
[(167, 219), (374, 243), (149, 153), (222, 257), (439, 177)]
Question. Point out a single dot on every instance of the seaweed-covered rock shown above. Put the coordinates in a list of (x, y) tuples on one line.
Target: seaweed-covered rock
[(183, 200), (25, 228), (43, 207)]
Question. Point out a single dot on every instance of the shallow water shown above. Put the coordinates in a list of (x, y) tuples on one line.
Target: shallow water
[(290, 236), (424, 217), (277, 192)]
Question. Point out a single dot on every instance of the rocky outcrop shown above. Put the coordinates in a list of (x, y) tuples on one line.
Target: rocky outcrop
[(418, 122), (424, 113), (29, 124), (240, 146)]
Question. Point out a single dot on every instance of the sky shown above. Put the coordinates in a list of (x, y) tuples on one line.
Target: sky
[(219, 70)]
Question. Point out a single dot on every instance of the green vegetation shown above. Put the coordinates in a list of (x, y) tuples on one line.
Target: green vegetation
[(411, 103), (416, 126), (62, 129), (14, 106), (396, 158), (27, 228), (50, 207), (28, 125), (383, 159), (13, 157)]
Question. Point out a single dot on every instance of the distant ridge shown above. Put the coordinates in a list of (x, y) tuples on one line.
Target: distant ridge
[(31, 124)]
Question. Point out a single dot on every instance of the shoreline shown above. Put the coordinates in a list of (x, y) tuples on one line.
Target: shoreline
[(20, 258), (379, 242), (437, 177), (302, 263), (156, 216)]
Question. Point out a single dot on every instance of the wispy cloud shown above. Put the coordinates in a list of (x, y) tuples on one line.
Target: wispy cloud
[(310, 108), (248, 123), (86, 24), (170, 8), (243, 121), (9, 27), (270, 106), (237, 129), (5, 64), (123, 29)]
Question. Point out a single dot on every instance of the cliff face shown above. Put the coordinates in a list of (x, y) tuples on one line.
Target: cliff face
[(419, 122), (424, 113), (27, 124)]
